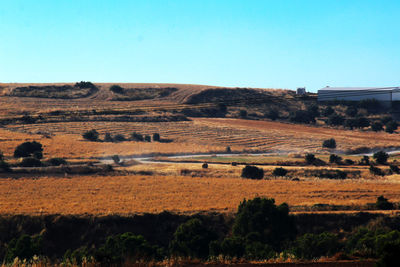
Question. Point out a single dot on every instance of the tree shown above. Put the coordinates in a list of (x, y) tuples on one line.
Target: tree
[(29, 149), (364, 160), (329, 143), (279, 171), (30, 162), (377, 126), (381, 157), (310, 246), (156, 137), (252, 172), (91, 135), (192, 239), (260, 221)]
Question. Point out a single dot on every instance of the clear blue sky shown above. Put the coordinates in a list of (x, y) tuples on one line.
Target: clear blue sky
[(266, 43)]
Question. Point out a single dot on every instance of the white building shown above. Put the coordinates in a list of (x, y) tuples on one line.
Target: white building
[(382, 94)]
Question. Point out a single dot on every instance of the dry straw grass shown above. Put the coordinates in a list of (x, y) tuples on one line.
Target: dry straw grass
[(101, 195)]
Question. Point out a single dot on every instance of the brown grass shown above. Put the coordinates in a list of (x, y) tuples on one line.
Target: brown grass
[(100, 195)]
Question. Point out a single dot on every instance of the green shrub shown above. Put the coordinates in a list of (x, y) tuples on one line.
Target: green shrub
[(147, 138), (351, 111), (302, 116), (28, 149), (279, 171), (4, 166), (123, 247), (91, 135), (25, 247), (395, 169), (260, 220), (311, 246), (381, 157), (329, 143), (364, 160), (192, 239), (252, 172)]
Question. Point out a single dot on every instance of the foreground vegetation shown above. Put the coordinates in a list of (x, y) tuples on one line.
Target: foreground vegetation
[(259, 231)]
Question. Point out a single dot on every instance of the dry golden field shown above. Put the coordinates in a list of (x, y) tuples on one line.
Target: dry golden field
[(218, 188), (101, 195)]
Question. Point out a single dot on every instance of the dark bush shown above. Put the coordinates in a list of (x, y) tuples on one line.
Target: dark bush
[(137, 137), (335, 159), (371, 105), (313, 111), (204, 166), (4, 166), (302, 116), (30, 162), (25, 247), (311, 246), (57, 161), (279, 171), (381, 157), (351, 111), (117, 89), (364, 160), (192, 239), (147, 138), (329, 143), (272, 114), (335, 120), (156, 137), (310, 158), (127, 246), (228, 149), (119, 138), (243, 113), (28, 149), (108, 137), (252, 172), (383, 203), (330, 174), (377, 126), (91, 135), (84, 84), (390, 254), (376, 171), (391, 126), (395, 169), (260, 220), (116, 159), (348, 162), (362, 122), (328, 111), (386, 119)]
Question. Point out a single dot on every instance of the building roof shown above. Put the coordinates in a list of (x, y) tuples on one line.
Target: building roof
[(358, 88)]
